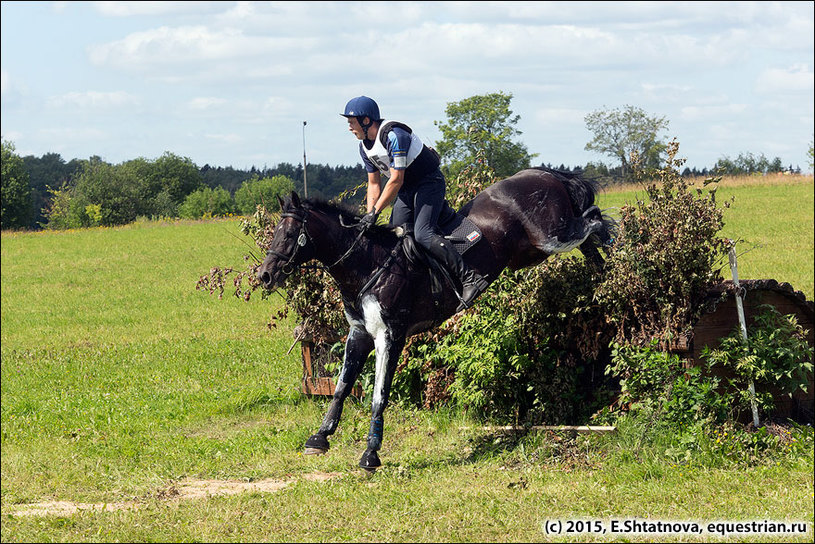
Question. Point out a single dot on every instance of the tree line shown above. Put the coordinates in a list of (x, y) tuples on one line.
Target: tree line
[(50, 192)]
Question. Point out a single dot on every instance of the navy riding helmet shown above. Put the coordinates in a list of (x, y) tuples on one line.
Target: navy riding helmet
[(361, 107)]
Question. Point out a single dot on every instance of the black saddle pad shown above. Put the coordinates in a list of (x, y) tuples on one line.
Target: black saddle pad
[(461, 232)]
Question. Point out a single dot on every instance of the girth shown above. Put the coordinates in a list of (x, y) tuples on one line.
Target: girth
[(356, 305)]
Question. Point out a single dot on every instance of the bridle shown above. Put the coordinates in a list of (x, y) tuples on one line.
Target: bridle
[(304, 238)]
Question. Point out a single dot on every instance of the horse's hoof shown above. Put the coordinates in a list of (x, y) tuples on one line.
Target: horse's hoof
[(370, 461), (317, 444)]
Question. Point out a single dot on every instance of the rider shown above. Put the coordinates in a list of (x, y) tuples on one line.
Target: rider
[(415, 186)]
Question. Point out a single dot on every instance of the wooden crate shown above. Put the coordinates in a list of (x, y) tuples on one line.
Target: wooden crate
[(316, 380)]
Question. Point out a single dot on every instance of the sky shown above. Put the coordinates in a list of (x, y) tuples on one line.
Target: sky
[(231, 83)]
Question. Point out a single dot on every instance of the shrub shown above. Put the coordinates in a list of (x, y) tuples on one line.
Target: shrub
[(667, 253), (207, 202), (656, 382), (262, 192), (68, 210), (525, 352), (16, 203)]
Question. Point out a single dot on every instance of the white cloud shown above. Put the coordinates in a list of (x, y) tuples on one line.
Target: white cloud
[(92, 100), (795, 79), (177, 54), (560, 117), (712, 111), (141, 8), (225, 138), (14, 136), (205, 103), (13, 89), (666, 92), (73, 134)]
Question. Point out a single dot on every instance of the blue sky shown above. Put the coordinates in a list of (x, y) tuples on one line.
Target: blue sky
[(230, 83)]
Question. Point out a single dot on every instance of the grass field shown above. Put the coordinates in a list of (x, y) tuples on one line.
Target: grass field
[(134, 406)]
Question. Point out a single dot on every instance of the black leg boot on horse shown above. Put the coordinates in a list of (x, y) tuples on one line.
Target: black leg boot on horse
[(472, 284)]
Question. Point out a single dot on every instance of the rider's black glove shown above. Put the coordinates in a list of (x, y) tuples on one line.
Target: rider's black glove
[(368, 220)]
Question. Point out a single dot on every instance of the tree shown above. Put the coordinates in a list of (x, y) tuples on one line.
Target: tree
[(482, 124), (174, 176), (747, 163), (16, 193), (262, 191), (46, 172), (113, 188), (621, 132)]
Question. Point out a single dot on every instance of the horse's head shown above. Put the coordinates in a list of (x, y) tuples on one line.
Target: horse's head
[(291, 243)]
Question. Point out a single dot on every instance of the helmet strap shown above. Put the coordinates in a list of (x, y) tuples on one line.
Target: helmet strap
[(365, 126)]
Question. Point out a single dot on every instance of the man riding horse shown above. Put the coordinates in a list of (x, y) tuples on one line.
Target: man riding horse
[(387, 295), (415, 186)]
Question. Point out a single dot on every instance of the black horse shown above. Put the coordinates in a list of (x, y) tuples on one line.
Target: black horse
[(387, 295)]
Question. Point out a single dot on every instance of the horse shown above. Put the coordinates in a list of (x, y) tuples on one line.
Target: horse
[(386, 293)]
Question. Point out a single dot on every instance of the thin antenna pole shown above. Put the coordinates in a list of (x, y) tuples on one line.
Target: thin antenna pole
[(743, 326), (305, 177)]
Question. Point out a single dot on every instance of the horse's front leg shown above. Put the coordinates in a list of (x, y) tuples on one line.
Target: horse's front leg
[(357, 347), (389, 346)]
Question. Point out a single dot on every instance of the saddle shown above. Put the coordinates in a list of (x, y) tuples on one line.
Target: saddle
[(462, 233)]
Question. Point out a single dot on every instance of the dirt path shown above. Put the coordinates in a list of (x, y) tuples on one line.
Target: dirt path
[(187, 489)]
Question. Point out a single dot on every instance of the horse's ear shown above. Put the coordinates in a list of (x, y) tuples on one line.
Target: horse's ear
[(280, 201), (295, 200)]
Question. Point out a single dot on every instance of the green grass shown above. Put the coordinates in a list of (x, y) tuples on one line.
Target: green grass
[(119, 380)]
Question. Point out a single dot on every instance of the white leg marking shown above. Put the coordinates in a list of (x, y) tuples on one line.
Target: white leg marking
[(353, 322), (382, 340)]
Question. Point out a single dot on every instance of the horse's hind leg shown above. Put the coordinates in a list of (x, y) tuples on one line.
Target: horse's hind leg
[(357, 347)]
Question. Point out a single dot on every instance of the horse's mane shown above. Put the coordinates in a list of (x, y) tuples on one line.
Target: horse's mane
[(349, 216), (346, 211)]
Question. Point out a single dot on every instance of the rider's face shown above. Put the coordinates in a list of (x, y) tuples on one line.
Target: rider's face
[(356, 128)]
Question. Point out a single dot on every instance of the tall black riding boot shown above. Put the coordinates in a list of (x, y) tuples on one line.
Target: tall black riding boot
[(472, 284)]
